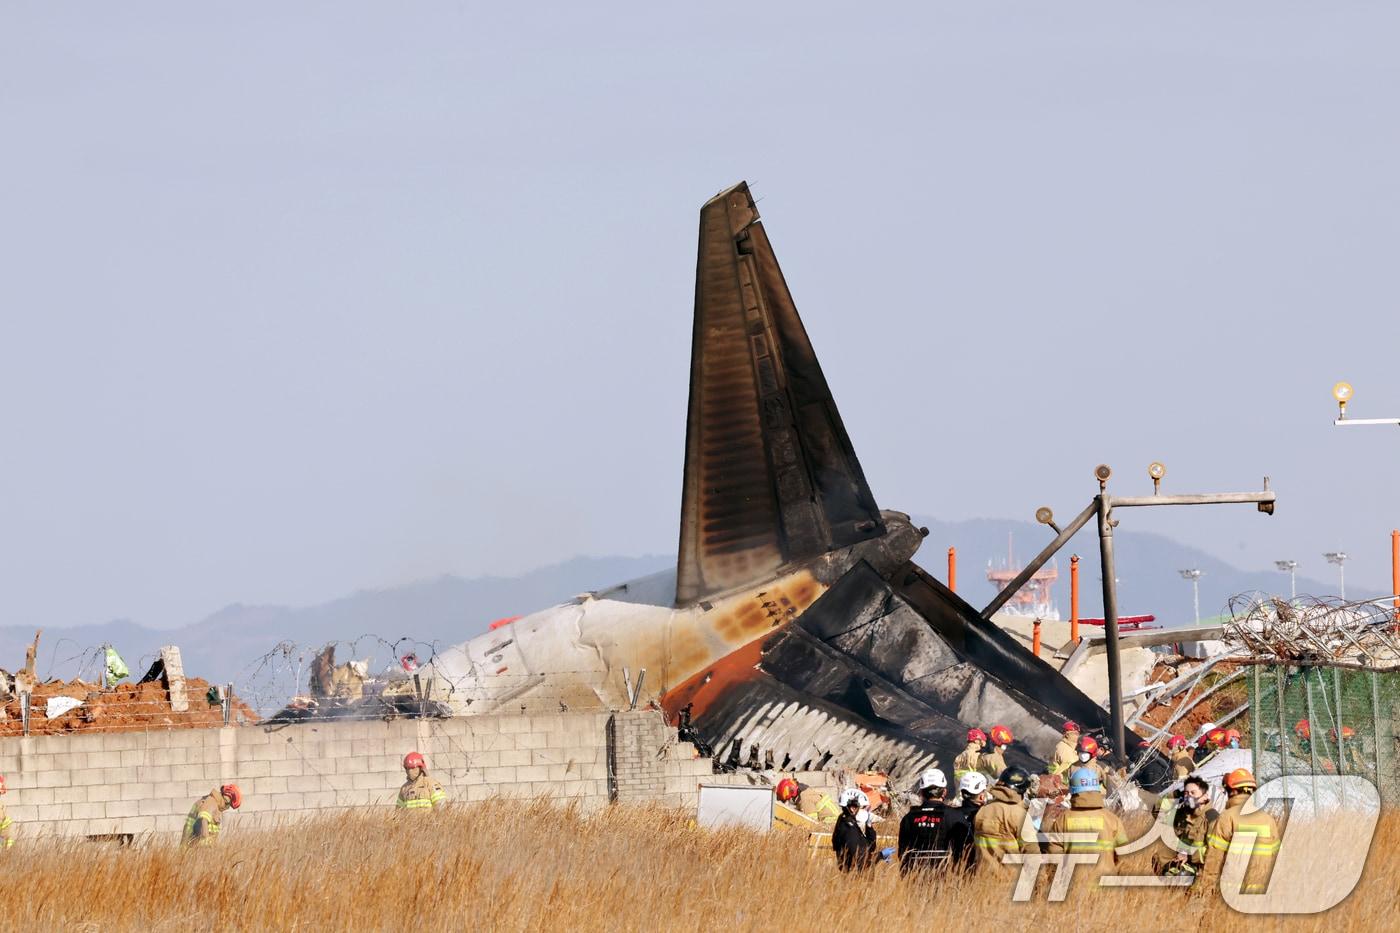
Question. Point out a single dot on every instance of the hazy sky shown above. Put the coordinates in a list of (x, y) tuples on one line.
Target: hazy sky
[(303, 298)]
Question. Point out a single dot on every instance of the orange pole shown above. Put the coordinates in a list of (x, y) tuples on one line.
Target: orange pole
[(1395, 570), (953, 569), (1074, 598), (1035, 638)]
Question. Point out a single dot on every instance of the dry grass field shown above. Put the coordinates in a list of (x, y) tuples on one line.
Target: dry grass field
[(533, 866)]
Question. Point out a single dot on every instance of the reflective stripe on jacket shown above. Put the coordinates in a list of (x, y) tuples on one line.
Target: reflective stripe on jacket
[(997, 831), (1262, 849), (422, 793), (206, 809)]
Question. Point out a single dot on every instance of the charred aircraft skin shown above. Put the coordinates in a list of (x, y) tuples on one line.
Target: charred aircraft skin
[(796, 621)]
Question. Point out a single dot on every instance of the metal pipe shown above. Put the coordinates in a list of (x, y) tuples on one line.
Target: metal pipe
[(1035, 638), (1376, 723), (1255, 726), (1110, 626), (641, 678), (1281, 684), (226, 701), (24, 708), (953, 569), (1312, 738), (1395, 570), (1337, 699), (1210, 498), (1074, 597), (1039, 560)]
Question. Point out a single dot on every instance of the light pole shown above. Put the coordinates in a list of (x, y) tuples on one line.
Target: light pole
[(1102, 507), (1339, 558), (1194, 576), (1290, 567)]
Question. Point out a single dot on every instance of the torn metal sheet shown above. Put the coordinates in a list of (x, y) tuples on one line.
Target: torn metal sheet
[(795, 622)]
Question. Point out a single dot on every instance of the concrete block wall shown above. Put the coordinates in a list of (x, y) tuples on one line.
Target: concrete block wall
[(140, 782), (650, 766)]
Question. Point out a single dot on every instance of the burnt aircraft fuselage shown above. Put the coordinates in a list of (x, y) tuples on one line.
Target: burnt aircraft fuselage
[(796, 621)]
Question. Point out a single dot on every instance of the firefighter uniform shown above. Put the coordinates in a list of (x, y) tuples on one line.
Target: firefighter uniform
[(969, 761), (203, 823), (1087, 816), (997, 832), (1182, 764), (1066, 754), (1262, 849), (818, 805), (421, 793), (7, 829), (1191, 826), (993, 763)]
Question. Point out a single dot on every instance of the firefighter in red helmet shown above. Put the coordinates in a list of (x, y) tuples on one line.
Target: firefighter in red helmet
[(419, 791)]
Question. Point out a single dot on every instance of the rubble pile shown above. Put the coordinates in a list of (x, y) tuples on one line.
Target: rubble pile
[(163, 699)]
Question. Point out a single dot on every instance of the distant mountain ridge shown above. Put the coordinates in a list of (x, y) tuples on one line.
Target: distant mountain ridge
[(240, 643)]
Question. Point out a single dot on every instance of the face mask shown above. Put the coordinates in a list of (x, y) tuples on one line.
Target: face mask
[(1084, 756), (862, 818), (1234, 743), (1188, 802)]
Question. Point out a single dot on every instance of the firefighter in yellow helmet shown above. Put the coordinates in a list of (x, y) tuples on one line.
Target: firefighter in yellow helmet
[(419, 792), (206, 817), (1262, 848), (7, 824), (1086, 828)]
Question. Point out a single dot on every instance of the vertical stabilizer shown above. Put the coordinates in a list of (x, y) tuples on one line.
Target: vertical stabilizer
[(770, 474)]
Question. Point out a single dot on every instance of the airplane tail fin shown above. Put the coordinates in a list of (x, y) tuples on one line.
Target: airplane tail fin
[(770, 474)]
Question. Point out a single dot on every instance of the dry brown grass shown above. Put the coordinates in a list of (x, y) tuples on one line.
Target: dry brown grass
[(511, 866)]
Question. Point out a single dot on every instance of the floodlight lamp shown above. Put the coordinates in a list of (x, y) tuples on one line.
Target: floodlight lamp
[(1044, 515)]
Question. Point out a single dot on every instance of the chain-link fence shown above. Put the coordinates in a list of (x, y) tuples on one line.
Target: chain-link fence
[(1325, 719)]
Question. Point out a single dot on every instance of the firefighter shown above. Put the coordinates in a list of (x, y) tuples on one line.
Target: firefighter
[(817, 804), (853, 839), (1086, 816), (958, 823), (788, 790), (923, 838), (1065, 753), (994, 761), (997, 828), (1181, 761), (1191, 817), (1086, 754), (971, 756), (1262, 848), (7, 824), (1347, 752), (206, 816), (1232, 738), (419, 792)]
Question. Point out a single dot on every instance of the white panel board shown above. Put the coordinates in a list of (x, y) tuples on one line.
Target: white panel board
[(722, 806)]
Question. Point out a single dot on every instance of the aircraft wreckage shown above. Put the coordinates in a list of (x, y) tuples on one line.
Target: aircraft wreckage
[(796, 620)]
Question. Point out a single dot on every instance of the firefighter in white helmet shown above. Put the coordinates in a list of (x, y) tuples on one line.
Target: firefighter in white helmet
[(853, 839), (923, 842), (972, 790)]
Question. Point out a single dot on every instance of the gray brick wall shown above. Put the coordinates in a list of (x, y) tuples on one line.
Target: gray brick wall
[(141, 782)]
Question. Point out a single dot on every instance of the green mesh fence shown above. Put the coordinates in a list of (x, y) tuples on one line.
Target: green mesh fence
[(1306, 720)]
